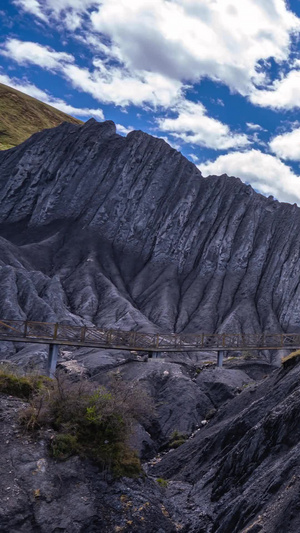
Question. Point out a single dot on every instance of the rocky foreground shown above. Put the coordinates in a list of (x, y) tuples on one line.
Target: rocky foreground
[(237, 472)]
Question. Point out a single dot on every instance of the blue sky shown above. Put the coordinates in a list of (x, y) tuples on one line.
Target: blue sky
[(218, 79)]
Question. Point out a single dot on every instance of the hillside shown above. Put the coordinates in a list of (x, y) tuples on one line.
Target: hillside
[(21, 116)]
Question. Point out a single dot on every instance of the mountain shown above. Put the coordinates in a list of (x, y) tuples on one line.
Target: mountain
[(125, 232), (21, 116)]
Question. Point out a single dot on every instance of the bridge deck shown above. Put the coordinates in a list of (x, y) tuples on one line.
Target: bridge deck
[(93, 337)]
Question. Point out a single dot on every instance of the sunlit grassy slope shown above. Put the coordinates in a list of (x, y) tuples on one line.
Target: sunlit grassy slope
[(21, 116)]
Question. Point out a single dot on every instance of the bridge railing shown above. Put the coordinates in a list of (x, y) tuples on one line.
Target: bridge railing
[(95, 336)]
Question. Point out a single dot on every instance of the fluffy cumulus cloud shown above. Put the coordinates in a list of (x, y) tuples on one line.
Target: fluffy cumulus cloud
[(266, 173), (287, 145), (123, 130), (193, 126), (282, 94), (221, 39), (116, 85), (32, 90), (150, 53), (27, 52), (254, 127), (106, 83)]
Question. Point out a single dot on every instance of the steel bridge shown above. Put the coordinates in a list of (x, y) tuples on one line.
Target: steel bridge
[(55, 334)]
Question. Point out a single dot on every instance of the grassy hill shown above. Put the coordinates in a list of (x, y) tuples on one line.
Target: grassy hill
[(21, 116)]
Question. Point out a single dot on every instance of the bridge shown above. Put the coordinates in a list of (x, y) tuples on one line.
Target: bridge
[(55, 334)]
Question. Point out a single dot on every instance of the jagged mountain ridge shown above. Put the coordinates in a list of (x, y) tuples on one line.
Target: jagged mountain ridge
[(125, 232)]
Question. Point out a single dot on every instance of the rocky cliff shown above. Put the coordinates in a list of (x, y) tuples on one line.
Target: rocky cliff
[(125, 232), (122, 232)]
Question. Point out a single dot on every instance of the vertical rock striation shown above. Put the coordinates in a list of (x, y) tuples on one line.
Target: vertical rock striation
[(125, 232)]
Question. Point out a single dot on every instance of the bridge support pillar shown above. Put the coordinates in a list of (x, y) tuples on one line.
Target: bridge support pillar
[(220, 358), (154, 355), (52, 359)]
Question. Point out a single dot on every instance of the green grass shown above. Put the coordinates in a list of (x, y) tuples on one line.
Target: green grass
[(177, 439), (162, 482), (24, 387), (21, 116)]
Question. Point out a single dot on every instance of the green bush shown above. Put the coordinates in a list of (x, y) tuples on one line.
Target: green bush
[(17, 385), (162, 482), (177, 439), (63, 446), (91, 420)]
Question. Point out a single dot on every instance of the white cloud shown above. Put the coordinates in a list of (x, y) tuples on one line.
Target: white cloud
[(287, 145), (183, 39), (114, 84), (108, 84), (27, 52), (283, 94), (123, 130), (266, 173), (254, 127), (193, 126), (147, 34), (194, 158), (58, 103), (33, 7)]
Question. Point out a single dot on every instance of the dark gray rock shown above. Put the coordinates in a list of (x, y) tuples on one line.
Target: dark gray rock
[(242, 469), (125, 232), (41, 495), (220, 384)]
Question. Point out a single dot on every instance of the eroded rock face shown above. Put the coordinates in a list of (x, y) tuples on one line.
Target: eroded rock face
[(240, 473), (125, 232), (39, 494)]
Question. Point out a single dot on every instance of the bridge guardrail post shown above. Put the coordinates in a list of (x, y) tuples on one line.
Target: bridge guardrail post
[(82, 333), (132, 339), (25, 328), (55, 331), (157, 341)]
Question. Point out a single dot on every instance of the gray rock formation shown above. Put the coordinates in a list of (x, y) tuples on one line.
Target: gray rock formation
[(240, 473), (125, 232)]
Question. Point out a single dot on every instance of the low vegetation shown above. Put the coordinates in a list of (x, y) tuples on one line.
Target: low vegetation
[(177, 439), (162, 482), (86, 419), (15, 384)]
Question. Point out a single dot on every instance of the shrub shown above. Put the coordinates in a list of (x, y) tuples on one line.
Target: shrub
[(162, 482), (177, 439), (63, 446), (17, 385), (210, 413), (91, 420)]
